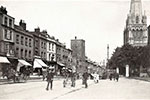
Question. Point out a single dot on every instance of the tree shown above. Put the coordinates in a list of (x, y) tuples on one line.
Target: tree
[(135, 57)]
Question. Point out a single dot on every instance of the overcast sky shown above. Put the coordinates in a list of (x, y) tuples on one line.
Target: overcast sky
[(98, 22)]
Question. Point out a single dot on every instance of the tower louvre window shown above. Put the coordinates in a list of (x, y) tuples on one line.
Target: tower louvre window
[(137, 19)]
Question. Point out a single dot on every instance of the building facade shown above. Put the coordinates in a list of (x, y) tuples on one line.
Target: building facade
[(51, 49), (6, 33), (40, 43), (149, 35), (135, 32), (23, 42)]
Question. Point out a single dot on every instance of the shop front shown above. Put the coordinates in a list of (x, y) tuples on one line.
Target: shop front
[(4, 64), (39, 66)]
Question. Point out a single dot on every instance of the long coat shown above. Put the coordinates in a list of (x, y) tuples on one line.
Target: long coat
[(50, 76)]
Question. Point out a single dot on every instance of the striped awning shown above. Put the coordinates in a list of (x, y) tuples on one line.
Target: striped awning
[(38, 63), (4, 60)]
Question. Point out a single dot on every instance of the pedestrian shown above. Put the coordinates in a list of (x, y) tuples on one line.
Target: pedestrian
[(110, 76), (96, 77), (117, 76), (73, 79), (44, 73), (85, 78), (50, 77)]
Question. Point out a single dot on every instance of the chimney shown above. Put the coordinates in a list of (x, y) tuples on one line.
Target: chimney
[(3, 10), (75, 37), (37, 29), (22, 24)]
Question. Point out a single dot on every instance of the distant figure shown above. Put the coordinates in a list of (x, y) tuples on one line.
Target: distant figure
[(96, 77), (117, 76), (50, 76), (85, 78), (110, 76), (73, 79), (44, 73)]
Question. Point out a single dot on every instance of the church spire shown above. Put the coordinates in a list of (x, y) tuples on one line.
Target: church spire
[(136, 25), (136, 8)]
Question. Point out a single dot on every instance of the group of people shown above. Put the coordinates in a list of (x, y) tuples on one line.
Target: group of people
[(11, 74), (85, 76), (50, 77), (114, 76)]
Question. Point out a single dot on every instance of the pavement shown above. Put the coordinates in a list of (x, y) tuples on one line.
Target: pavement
[(125, 89), (32, 78), (37, 90), (142, 78)]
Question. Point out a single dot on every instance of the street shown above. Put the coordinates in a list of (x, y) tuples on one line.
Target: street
[(105, 89)]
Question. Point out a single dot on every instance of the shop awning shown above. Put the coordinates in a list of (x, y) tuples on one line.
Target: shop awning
[(38, 63), (60, 64), (22, 63), (4, 60)]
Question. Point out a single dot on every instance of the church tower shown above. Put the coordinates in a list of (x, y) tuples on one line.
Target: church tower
[(135, 32)]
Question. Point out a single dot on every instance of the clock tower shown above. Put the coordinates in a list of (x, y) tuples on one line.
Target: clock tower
[(135, 32)]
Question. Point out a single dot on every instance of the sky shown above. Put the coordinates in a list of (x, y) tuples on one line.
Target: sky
[(98, 22)]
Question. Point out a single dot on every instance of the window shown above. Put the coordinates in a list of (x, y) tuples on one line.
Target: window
[(49, 56), (7, 48), (44, 45), (5, 21), (8, 34), (22, 40), (5, 31), (29, 54), (41, 44), (26, 41), (17, 51), (42, 54), (21, 53), (49, 46), (36, 43), (10, 22), (17, 39), (29, 42), (25, 53), (52, 58), (52, 47)]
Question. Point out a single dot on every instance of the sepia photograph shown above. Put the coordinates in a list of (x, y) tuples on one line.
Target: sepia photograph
[(74, 49)]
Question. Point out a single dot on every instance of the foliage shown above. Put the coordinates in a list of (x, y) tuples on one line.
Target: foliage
[(133, 56)]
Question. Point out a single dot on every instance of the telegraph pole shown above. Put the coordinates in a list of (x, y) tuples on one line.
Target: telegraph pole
[(107, 52)]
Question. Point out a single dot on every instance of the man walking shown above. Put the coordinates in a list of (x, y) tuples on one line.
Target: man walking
[(85, 78), (50, 77)]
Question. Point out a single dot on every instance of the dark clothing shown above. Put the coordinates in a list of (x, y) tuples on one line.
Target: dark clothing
[(117, 76), (73, 79), (110, 76), (85, 75), (85, 78), (51, 85), (50, 77)]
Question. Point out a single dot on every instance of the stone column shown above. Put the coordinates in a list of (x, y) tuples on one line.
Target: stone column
[(127, 70), (117, 70)]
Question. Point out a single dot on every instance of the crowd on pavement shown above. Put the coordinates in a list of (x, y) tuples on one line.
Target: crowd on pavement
[(70, 77)]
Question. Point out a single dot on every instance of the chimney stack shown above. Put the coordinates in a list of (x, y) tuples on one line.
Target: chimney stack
[(22, 24)]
